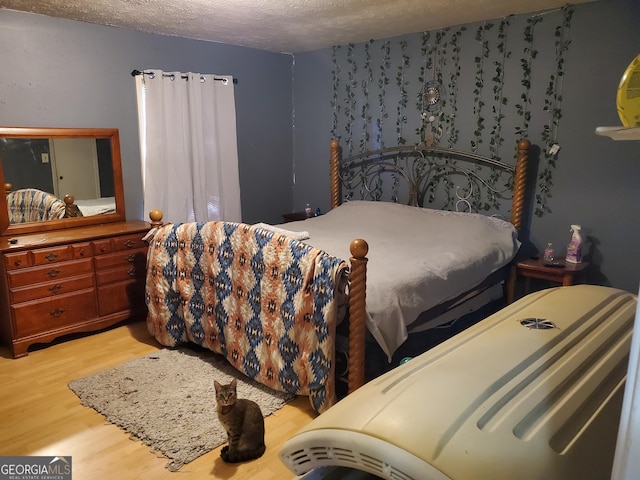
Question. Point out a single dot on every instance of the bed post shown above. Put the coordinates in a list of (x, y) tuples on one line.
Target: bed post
[(156, 218), (517, 205), (335, 173), (71, 210), (357, 285), (519, 183), (357, 313)]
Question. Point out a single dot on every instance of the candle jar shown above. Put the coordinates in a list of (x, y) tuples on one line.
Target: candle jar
[(548, 253)]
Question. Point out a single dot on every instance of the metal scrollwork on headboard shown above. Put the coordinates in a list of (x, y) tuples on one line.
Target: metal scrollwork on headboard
[(425, 170), (433, 176)]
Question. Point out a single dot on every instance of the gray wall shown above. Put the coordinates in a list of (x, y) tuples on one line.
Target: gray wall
[(69, 74), (60, 73), (596, 182)]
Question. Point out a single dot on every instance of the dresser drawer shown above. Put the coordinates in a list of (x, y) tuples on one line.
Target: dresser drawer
[(48, 273), (49, 289), (101, 247), (82, 250), (121, 296), (17, 260), (42, 316), (137, 258), (120, 274), (119, 244), (45, 256), (128, 242)]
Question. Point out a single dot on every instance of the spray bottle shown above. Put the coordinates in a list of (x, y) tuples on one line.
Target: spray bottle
[(574, 249)]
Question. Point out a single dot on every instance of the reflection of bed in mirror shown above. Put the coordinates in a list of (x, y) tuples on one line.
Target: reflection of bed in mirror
[(33, 205), (27, 205), (96, 206)]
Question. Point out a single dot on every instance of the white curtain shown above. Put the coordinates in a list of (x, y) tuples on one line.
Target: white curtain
[(188, 146)]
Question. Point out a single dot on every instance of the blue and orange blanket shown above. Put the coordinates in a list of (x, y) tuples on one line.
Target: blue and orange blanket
[(31, 205), (263, 300)]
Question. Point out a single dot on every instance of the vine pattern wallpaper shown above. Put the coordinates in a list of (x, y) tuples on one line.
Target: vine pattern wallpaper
[(478, 88)]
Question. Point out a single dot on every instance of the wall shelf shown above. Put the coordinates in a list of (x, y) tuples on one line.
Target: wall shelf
[(619, 133)]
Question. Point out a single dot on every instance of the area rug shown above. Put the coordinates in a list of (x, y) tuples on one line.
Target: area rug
[(167, 400)]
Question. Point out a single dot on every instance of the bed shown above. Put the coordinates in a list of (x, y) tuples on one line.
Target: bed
[(422, 169), (445, 263), (425, 168), (96, 206), (33, 205)]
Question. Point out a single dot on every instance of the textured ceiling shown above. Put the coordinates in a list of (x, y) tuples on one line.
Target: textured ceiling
[(282, 25)]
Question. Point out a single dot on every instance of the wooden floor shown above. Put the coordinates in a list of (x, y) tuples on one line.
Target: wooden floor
[(39, 415)]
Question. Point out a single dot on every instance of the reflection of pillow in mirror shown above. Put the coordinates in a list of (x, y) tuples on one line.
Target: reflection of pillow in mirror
[(32, 205), (97, 206)]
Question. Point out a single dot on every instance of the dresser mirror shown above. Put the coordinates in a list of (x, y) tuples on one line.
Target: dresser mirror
[(41, 167)]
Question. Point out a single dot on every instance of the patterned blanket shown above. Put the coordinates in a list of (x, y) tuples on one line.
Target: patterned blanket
[(263, 300), (31, 205)]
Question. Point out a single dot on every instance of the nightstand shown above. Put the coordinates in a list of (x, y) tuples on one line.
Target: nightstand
[(564, 274), (294, 217)]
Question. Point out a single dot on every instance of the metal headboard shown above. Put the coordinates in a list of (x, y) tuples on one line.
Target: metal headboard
[(425, 169)]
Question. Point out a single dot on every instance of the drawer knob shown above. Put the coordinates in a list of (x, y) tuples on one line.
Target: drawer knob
[(132, 272), (130, 244), (55, 288), (51, 257), (57, 312), (53, 273), (17, 263), (131, 258)]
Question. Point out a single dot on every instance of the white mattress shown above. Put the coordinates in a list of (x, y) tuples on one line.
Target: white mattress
[(500, 400), (418, 257), (97, 206)]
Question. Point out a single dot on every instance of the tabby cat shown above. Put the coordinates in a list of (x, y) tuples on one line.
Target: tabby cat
[(244, 423)]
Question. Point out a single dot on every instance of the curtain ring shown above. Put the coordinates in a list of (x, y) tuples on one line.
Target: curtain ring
[(225, 81), (151, 75), (203, 79)]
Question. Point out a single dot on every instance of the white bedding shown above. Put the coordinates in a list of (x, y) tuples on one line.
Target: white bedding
[(418, 257), (96, 206)]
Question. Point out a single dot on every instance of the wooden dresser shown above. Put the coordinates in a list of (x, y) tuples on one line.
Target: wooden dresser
[(73, 280)]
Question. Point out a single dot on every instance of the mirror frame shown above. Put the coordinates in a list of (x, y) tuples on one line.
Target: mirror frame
[(7, 229)]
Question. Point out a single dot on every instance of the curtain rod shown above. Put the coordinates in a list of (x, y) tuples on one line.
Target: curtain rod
[(139, 72)]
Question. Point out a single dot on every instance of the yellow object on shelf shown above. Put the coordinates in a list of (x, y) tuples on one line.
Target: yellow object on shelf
[(628, 97)]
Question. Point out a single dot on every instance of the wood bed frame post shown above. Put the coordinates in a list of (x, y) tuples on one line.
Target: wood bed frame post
[(519, 183), (71, 210), (357, 313), (517, 206), (335, 173), (156, 218), (357, 284)]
